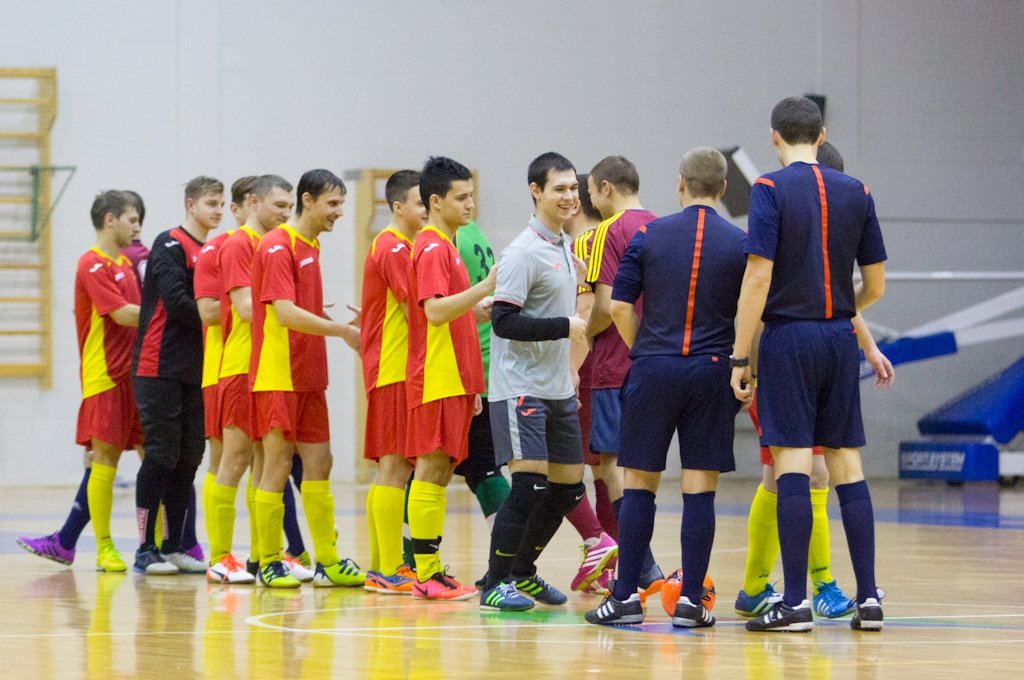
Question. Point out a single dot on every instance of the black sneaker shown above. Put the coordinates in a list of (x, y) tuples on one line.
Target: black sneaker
[(149, 561), (614, 612), (690, 615), (651, 578), (535, 587), (868, 616), (785, 619), (252, 566)]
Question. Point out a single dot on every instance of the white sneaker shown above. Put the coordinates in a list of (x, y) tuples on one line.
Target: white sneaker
[(297, 568), (228, 570), (185, 563)]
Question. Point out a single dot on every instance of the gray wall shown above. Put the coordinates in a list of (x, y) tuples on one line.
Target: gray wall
[(924, 99)]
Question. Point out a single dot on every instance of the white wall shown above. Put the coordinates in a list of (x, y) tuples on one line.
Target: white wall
[(924, 98)]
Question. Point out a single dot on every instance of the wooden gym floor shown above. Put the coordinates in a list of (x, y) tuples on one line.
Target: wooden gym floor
[(949, 558)]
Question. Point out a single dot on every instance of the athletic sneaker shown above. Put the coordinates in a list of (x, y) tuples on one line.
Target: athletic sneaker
[(275, 575), (756, 605), (785, 619), (196, 552), (377, 582), (690, 615), (598, 554), (345, 573), (613, 612), (302, 558), (185, 563), (228, 570), (868, 616), (296, 567), (148, 560), (535, 587), (441, 586), (253, 567), (830, 601), (48, 547), (407, 571), (108, 559), (600, 586), (651, 582), (504, 597)]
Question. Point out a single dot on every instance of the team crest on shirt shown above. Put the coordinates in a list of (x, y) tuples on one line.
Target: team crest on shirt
[(96, 267), (305, 261)]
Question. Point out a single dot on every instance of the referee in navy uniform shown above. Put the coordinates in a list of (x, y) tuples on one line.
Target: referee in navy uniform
[(807, 227), (688, 268)]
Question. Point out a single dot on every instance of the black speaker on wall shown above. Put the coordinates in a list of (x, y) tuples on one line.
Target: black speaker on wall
[(818, 99)]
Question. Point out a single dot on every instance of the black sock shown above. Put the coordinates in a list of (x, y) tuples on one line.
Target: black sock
[(648, 563), (79, 515), (696, 536), (544, 522), (176, 502), (528, 490), (149, 489)]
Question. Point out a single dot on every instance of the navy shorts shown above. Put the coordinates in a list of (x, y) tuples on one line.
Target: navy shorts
[(605, 417), (529, 428), (690, 396), (808, 385)]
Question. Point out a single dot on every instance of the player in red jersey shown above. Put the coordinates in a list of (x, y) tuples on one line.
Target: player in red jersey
[(288, 374), (384, 349), (444, 375)]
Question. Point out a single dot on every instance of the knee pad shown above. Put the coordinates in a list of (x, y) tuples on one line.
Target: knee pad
[(477, 475), (528, 490), (563, 497)]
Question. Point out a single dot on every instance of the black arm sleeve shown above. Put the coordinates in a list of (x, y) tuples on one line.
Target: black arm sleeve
[(171, 276), (508, 322)]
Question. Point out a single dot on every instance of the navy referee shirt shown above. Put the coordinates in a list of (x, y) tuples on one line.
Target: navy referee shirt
[(688, 267)]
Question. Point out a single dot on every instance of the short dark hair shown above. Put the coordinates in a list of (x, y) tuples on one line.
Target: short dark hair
[(114, 202), (545, 163), (140, 205), (315, 183), (619, 172), (437, 176), (198, 187), (829, 156), (704, 169), (797, 120), (397, 187), (242, 187), (263, 184), (586, 206)]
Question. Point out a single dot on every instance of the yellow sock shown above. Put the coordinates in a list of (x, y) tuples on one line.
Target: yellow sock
[(426, 504), (318, 503), (371, 525), (158, 528), (254, 534), (819, 555), (443, 502), (209, 479), (269, 524), (388, 513), (762, 541), (100, 492), (222, 519)]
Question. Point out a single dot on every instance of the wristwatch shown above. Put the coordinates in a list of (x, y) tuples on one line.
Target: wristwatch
[(738, 362)]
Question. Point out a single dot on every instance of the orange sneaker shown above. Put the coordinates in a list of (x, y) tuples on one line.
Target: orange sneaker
[(377, 582), (441, 586), (406, 571)]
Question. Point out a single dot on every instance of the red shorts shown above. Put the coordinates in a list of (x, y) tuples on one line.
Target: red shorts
[(589, 457), (234, 402), (385, 421), (211, 414), (766, 454), (301, 416), (442, 424), (110, 417)]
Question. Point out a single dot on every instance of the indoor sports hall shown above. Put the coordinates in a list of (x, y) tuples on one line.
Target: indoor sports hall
[(922, 99)]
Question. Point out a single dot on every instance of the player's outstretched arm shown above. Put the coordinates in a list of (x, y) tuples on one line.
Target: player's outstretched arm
[(295, 318), (442, 310), (757, 280), (126, 315)]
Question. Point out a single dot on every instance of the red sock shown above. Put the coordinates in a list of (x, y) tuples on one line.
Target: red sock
[(605, 513), (582, 517)]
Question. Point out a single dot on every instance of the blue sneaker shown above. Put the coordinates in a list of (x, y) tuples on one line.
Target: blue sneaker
[(504, 597), (756, 605), (830, 601), (538, 589)]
